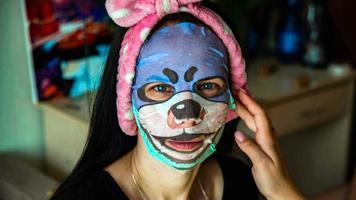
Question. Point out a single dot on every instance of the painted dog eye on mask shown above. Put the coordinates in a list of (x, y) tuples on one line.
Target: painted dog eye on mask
[(181, 94)]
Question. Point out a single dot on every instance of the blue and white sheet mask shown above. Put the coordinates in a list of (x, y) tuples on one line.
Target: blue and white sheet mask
[(181, 94)]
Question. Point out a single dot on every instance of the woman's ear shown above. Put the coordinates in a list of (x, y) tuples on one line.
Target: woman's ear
[(231, 114), (132, 127)]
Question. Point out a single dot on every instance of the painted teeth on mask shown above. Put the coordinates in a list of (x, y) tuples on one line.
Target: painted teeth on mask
[(208, 141)]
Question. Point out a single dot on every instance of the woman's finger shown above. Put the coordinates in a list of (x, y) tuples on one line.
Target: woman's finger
[(264, 136), (254, 109), (251, 149), (273, 181), (261, 119), (246, 116)]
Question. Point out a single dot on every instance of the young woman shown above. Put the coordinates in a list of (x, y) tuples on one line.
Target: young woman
[(177, 92)]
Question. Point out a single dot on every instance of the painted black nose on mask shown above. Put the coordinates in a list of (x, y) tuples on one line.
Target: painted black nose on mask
[(186, 109)]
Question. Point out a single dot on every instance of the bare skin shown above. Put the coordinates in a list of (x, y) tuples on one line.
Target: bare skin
[(159, 181)]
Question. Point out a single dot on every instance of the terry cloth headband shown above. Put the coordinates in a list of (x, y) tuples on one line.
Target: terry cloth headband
[(141, 16)]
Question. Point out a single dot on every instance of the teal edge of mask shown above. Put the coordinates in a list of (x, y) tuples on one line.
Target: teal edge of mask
[(232, 104), (161, 157)]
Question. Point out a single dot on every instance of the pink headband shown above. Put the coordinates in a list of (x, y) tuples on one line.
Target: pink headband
[(141, 16)]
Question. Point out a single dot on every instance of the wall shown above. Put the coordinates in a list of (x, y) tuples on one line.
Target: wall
[(20, 119)]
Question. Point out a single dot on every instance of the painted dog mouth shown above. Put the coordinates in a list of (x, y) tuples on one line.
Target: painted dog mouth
[(208, 138)]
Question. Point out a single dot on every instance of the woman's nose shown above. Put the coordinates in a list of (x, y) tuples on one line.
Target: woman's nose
[(185, 114)]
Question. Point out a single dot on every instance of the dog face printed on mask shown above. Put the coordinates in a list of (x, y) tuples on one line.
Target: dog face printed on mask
[(181, 90)]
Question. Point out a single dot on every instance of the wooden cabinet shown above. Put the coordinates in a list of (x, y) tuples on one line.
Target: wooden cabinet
[(309, 110)]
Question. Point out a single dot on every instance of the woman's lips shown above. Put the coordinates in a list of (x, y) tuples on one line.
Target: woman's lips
[(186, 143), (185, 146)]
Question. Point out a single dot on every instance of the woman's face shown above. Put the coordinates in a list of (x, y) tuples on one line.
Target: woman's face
[(181, 92)]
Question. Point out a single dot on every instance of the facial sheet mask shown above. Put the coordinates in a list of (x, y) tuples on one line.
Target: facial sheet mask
[(181, 94)]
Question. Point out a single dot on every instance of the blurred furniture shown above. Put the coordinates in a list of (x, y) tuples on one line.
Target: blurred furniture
[(345, 191), (342, 41), (66, 130), (311, 110), (18, 180)]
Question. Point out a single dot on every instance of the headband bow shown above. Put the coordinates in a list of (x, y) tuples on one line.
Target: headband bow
[(141, 16), (127, 13)]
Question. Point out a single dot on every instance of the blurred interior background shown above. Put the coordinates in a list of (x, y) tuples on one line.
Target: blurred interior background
[(300, 62)]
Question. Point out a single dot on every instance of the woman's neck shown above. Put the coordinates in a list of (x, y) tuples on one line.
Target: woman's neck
[(157, 180)]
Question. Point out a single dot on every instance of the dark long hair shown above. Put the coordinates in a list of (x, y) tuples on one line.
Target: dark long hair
[(106, 141)]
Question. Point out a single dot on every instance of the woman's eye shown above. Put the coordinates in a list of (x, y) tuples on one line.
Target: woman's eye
[(208, 86), (162, 88), (211, 88), (159, 92)]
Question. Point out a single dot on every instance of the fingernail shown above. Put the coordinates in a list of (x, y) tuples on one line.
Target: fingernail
[(240, 136)]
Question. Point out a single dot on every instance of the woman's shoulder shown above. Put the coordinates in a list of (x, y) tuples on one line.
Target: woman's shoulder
[(92, 185), (238, 179)]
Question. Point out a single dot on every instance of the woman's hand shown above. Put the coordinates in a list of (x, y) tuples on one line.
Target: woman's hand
[(269, 170)]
